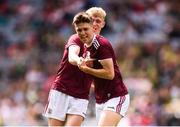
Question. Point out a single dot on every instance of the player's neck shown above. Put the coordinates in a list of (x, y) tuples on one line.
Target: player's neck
[(89, 45)]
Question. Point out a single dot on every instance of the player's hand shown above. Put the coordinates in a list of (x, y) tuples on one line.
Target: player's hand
[(81, 61), (83, 66), (89, 62)]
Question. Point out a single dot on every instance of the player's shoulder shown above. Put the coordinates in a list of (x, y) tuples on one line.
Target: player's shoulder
[(73, 36), (74, 40), (102, 40)]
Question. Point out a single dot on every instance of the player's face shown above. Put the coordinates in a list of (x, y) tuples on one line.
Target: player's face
[(85, 32), (98, 24)]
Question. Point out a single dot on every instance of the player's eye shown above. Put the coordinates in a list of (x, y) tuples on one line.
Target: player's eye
[(79, 30), (85, 29), (97, 20)]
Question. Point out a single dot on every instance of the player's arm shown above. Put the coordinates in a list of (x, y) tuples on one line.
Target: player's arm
[(107, 72), (73, 57)]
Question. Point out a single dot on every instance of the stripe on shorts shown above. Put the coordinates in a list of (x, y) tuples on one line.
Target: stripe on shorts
[(121, 101)]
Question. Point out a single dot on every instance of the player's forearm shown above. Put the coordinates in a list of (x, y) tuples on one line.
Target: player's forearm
[(74, 59), (100, 73)]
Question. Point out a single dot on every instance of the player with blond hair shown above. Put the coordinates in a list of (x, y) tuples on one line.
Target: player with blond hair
[(112, 98), (98, 16)]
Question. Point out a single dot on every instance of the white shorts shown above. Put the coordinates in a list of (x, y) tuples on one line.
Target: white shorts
[(60, 104), (117, 104)]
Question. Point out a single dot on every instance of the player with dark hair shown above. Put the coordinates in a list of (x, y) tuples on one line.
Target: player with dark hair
[(68, 97)]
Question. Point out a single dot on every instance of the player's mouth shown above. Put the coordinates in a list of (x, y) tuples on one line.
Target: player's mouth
[(95, 28), (83, 38)]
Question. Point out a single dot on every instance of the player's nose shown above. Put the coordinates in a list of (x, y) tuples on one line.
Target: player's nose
[(82, 32), (94, 23)]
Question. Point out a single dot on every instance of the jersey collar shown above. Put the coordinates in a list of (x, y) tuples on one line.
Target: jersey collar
[(94, 37)]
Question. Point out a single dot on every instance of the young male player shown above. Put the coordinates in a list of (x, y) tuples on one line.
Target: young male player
[(111, 94), (68, 97)]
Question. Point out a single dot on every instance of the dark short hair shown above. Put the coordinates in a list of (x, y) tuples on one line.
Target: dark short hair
[(81, 17)]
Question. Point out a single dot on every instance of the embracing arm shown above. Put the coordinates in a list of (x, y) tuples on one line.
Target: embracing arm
[(107, 72), (73, 52)]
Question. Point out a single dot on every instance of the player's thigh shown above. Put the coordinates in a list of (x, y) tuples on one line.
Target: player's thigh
[(78, 106), (114, 109), (57, 106), (74, 120), (76, 111), (118, 104), (109, 118), (55, 122)]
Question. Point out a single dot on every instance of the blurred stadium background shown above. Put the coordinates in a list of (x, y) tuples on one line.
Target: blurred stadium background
[(144, 33)]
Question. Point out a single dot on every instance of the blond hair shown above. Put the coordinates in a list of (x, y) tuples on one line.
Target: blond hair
[(96, 11)]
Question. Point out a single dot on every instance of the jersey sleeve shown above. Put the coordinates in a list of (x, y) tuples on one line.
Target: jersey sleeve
[(105, 51), (73, 40)]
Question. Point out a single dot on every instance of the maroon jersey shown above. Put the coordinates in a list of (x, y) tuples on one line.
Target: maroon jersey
[(106, 89), (70, 80)]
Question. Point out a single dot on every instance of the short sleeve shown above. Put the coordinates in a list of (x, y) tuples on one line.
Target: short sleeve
[(105, 52), (73, 40)]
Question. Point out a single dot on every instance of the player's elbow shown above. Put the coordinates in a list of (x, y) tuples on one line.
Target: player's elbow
[(110, 76), (71, 61)]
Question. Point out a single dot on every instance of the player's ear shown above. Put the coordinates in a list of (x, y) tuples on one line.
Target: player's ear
[(103, 24)]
